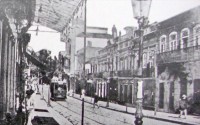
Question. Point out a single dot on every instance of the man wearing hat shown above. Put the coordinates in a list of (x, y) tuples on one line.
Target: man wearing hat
[(183, 106)]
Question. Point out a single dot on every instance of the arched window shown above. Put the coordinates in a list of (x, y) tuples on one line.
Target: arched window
[(152, 58), (196, 31), (185, 38), (144, 60), (163, 43), (136, 60), (173, 41)]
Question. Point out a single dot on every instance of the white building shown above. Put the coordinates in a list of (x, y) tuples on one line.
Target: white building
[(97, 36)]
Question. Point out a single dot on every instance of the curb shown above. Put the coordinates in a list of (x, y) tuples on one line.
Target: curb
[(150, 117)]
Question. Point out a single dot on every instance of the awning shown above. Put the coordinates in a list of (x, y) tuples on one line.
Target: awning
[(35, 61), (56, 14)]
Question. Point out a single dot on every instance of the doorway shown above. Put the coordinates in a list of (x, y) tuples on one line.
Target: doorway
[(161, 95), (171, 97)]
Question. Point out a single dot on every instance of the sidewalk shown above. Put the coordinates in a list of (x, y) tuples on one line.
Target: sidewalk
[(168, 117), (41, 109)]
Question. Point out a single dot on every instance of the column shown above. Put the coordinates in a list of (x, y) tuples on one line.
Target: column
[(190, 84), (177, 92), (123, 87), (103, 89), (9, 74), (128, 93), (133, 93), (166, 96), (1, 69), (157, 93), (73, 46), (118, 90), (13, 76), (105, 86), (99, 92), (5, 70)]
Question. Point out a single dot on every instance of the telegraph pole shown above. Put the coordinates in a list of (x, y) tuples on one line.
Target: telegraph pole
[(84, 59)]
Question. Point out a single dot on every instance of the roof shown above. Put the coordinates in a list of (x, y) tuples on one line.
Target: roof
[(88, 48), (96, 35), (180, 19), (56, 14), (35, 61)]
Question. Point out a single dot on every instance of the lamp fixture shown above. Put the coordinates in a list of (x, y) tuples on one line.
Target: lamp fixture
[(40, 9)]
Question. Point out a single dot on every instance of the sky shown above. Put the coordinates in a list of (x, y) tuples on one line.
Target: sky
[(106, 13)]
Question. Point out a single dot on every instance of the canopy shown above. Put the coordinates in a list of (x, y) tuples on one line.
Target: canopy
[(35, 61), (56, 14)]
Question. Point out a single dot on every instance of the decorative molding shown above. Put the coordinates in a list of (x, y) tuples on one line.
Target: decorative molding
[(19, 15)]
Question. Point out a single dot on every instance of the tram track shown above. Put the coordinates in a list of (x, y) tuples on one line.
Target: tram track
[(71, 109), (89, 114), (78, 113)]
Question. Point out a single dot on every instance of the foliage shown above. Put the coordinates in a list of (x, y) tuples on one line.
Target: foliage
[(177, 70)]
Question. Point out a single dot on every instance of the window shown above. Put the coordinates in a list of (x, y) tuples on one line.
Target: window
[(151, 58), (126, 44), (125, 60), (136, 61), (196, 38), (121, 46), (185, 38), (162, 43), (144, 60), (173, 41)]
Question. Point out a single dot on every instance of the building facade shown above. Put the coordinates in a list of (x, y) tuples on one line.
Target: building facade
[(170, 61), (178, 59), (13, 42), (117, 66)]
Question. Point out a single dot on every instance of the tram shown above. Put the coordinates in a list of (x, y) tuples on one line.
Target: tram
[(58, 90)]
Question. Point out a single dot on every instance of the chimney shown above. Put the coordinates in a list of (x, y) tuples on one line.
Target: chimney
[(89, 44), (114, 32), (108, 43)]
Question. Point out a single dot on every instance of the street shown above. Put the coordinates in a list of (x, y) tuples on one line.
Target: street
[(71, 109)]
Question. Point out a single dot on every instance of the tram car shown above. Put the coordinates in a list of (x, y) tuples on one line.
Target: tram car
[(58, 90)]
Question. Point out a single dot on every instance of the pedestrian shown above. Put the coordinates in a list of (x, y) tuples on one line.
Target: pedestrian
[(183, 106), (96, 99), (82, 93)]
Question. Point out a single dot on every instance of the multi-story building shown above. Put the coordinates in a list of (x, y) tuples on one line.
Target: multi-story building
[(178, 59), (13, 42), (119, 61), (170, 60), (115, 56), (97, 37), (90, 53)]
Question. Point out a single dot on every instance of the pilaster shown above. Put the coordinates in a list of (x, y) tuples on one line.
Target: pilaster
[(177, 92), (166, 95)]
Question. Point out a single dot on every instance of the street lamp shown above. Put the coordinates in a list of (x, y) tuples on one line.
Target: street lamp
[(108, 92), (141, 11)]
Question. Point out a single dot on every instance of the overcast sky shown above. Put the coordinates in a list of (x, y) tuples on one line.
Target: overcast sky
[(105, 13)]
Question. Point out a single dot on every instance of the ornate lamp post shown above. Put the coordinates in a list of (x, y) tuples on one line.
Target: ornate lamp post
[(141, 11)]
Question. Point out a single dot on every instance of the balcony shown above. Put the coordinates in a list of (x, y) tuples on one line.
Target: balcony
[(181, 55)]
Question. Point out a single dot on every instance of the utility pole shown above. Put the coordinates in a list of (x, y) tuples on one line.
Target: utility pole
[(84, 60), (85, 35)]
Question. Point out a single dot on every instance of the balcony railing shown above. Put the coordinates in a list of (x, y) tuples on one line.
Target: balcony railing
[(181, 55)]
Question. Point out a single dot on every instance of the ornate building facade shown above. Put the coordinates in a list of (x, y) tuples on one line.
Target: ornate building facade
[(13, 42), (178, 59), (170, 60)]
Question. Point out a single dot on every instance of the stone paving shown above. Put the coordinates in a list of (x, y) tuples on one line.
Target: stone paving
[(41, 103), (169, 117)]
